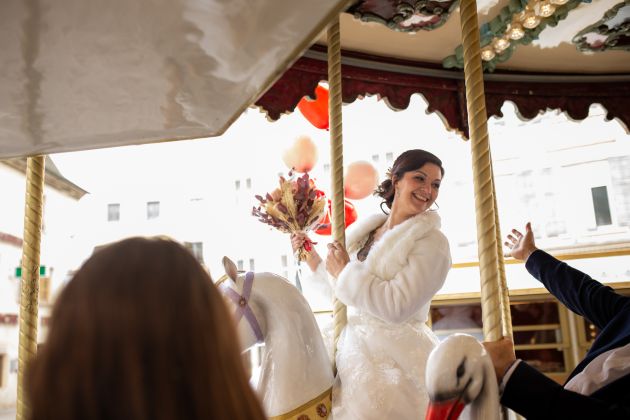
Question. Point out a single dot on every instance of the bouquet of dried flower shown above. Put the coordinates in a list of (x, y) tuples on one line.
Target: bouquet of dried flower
[(296, 205)]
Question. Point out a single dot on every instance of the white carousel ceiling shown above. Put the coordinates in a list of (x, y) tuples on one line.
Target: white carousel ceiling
[(79, 74), (552, 52)]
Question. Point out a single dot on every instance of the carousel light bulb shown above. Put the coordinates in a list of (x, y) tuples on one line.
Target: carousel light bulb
[(487, 54), (515, 31), (500, 44), (528, 9), (545, 9), (531, 21)]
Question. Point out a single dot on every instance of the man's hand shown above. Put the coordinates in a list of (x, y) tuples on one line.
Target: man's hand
[(502, 354), (521, 246)]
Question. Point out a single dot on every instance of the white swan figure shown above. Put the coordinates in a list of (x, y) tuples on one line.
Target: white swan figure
[(460, 379), (296, 373)]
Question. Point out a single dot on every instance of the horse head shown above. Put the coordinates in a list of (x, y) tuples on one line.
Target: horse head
[(295, 367), (247, 312)]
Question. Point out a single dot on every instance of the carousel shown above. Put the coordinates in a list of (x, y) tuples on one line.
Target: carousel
[(80, 75)]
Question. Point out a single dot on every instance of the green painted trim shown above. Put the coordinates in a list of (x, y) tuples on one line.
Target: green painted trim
[(42, 271), (499, 25), (601, 28)]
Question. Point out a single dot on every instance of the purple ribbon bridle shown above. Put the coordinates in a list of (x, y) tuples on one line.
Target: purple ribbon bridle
[(242, 305)]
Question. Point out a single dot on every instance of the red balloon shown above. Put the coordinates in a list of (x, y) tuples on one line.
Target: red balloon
[(316, 111), (325, 227)]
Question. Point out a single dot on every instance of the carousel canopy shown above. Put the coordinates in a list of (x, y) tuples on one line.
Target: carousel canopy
[(79, 74), (539, 54)]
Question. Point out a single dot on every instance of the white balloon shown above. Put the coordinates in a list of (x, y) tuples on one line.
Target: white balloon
[(302, 155), (361, 180)]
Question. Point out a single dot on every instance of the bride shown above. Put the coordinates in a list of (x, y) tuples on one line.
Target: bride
[(393, 265)]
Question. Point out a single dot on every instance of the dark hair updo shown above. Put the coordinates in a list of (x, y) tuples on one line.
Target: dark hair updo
[(410, 160)]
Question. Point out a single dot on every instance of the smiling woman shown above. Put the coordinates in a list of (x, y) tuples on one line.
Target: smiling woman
[(387, 275)]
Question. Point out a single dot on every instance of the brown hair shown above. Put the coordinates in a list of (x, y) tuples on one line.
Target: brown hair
[(410, 160), (141, 332)]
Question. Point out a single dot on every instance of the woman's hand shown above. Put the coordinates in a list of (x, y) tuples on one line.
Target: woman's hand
[(297, 240), (337, 259), (502, 354), (312, 257), (521, 246)]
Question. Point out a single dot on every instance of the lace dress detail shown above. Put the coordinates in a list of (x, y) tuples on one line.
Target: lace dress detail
[(380, 365)]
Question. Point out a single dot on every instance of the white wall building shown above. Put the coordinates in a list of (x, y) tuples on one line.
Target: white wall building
[(568, 178)]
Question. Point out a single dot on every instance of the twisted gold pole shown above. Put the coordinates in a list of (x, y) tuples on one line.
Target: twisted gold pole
[(506, 316), (336, 160), (30, 274), (482, 171)]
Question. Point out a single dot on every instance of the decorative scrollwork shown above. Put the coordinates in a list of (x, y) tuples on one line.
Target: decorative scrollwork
[(611, 32), (446, 96), (405, 15)]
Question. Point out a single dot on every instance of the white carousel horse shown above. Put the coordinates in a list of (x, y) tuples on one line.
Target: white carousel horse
[(460, 376), (296, 374)]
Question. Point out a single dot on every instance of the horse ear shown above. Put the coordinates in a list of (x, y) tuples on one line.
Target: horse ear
[(230, 268)]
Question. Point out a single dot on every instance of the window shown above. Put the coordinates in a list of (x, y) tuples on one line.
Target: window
[(326, 168), (601, 206), (239, 265), (248, 183), (375, 158), (113, 212), (237, 184), (252, 267), (389, 157), (153, 210), (196, 248), (285, 263)]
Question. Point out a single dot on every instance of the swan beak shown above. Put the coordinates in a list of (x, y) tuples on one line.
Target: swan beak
[(445, 410)]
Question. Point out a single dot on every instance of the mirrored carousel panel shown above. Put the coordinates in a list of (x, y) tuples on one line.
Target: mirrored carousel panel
[(81, 74), (405, 15), (612, 32)]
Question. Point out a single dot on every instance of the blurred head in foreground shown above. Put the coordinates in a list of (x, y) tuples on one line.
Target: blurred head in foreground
[(140, 332)]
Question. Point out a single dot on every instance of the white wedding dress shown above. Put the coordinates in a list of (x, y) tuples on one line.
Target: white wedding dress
[(382, 352), (381, 369)]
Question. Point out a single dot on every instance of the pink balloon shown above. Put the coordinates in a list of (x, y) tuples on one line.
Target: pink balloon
[(302, 155), (361, 180)]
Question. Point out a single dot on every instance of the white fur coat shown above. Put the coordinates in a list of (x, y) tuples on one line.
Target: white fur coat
[(402, 272)]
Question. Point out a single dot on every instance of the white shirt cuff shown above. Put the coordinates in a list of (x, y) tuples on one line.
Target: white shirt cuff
[(507, 375)]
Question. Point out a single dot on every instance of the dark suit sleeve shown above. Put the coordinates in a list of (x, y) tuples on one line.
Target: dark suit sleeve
[(534, 396), (576, 290)]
